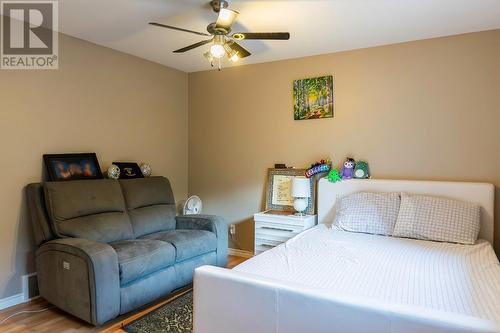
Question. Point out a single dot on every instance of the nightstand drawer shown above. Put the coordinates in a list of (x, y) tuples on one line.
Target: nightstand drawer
[(262, 245), (274, 229), (275, 236), (271, 227)]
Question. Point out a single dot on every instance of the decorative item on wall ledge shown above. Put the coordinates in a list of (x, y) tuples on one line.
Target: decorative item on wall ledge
[(347, 170), (319, 167), (334, 176), (113, 172), (62, 167), (146, 170), (129, 170), (361, 170), (313, 98), (279, 190), (350, 169)]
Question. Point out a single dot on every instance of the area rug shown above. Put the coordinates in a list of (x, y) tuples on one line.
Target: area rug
[(174, 317)]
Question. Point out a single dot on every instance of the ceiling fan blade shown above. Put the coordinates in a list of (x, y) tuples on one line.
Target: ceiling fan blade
[(193, 46), (226, 18), (262, 35), (242, 52), (179, 29)]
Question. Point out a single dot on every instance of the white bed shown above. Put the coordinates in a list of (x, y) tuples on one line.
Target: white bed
[(326, 280)]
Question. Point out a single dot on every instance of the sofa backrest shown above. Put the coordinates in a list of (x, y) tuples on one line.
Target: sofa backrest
[(38, 213), (90, 209), (150, 204)]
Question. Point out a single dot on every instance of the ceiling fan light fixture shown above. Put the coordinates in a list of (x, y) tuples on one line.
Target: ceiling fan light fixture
[(222, 43), (226, 17), (231, 54), (217, 51)]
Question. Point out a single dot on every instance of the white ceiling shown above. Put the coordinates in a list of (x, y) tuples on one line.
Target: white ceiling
[(316, 26)]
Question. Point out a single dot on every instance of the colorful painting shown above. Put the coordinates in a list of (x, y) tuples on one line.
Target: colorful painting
[(62, 167), (313, 98)]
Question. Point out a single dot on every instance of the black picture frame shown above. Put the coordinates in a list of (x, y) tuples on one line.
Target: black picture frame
[(76, 166), (129, 170)]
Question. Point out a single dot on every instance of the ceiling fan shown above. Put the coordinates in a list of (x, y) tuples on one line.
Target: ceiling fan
[(223, 42)]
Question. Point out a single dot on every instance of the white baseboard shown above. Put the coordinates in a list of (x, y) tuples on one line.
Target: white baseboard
[(240, 253), (23, 297), (17, 299), (11, 301)]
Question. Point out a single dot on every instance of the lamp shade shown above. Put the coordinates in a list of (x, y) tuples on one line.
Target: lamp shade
[(301, 187)]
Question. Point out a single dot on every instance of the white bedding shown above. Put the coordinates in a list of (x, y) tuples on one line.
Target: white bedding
[(461, 279)]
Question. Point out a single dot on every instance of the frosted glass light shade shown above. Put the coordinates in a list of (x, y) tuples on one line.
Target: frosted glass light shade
[(226, 17), (217, 51), (301, 187)]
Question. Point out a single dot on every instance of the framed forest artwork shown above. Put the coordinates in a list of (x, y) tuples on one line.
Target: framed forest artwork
[(313, 98)]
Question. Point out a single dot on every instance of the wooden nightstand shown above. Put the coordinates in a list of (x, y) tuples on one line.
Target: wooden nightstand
[(274, 227)]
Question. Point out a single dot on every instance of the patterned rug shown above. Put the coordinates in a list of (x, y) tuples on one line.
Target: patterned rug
[(174, 317)]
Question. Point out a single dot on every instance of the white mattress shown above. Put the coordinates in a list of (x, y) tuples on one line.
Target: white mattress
[(461, 279)]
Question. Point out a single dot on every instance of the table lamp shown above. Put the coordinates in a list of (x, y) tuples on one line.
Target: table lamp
[(301, 191)]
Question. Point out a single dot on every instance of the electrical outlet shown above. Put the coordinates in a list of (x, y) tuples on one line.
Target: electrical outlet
[(66, 265), (232, 229)]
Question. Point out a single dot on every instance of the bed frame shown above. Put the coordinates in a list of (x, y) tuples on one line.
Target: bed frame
[(228, 301), (479, 193)]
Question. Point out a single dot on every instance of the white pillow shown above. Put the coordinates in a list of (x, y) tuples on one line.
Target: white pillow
[(372, 213), (438, 219)]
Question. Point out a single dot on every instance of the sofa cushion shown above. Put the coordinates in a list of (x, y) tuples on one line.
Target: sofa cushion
[(187, 243), (90, 209), (150, 203), (140, 257)]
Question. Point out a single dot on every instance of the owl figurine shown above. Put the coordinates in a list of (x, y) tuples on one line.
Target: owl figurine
[(361, 171), (347, 170)]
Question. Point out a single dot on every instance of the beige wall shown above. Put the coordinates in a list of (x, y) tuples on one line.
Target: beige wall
[(119, 106), (420, 110)]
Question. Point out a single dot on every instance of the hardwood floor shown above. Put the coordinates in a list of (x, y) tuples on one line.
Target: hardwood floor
[(54, 320)]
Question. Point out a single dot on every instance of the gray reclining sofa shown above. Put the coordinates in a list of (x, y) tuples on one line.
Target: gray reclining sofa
[(106, 247)]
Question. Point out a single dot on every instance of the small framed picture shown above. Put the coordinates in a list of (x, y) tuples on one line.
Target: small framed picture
[(62, 167), (129, 170), (313, 98), (279, 186)]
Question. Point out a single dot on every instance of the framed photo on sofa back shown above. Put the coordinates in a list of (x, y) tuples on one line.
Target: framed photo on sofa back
[(63, 167)]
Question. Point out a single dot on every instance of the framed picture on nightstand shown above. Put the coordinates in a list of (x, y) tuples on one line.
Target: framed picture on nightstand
[(279, 185)]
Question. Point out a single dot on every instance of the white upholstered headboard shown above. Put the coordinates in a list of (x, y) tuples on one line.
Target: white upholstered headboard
[(482, 194)]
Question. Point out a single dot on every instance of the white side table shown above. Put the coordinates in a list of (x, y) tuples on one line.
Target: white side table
[(273, 228)]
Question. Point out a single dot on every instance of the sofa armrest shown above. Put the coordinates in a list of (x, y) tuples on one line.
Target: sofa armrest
[(215, 224), (81, 277)]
